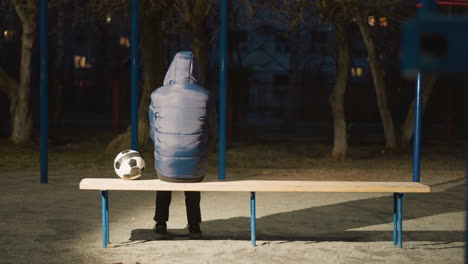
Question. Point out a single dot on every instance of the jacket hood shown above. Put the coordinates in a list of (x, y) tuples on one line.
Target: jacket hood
[(182, 69)]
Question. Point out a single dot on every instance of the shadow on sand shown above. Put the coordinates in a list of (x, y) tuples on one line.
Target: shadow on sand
[(335, 222)]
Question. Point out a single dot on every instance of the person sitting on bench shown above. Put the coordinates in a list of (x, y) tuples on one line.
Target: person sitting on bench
[(183, 127)]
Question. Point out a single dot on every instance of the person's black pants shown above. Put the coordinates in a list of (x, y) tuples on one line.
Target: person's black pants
[(192, 206)]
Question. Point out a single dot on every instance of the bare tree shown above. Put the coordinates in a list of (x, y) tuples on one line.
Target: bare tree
[(357, 12), (18, 93), (9, 86), (361, 12), (337, 15), (340, 143), (378, 78)]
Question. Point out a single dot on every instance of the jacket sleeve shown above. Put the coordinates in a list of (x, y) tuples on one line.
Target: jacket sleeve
[(152, 118)]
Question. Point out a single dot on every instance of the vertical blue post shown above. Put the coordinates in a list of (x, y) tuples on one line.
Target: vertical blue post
[(222, 91), (400, 220), (43, 93), (417, 128), (105, 218), (466, 186), (395, 214), (252, 219), (428, 6), (134, 74)]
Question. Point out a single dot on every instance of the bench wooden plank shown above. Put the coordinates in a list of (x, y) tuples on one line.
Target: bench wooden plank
[(254, 186)]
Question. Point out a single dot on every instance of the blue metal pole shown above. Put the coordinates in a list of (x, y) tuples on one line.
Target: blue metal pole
[(417, 128), (43, 93), (400, 220), (134, 74), (222, 91), (105, 218), (395, 234), (428, 6), (252, 219), (466, 188)]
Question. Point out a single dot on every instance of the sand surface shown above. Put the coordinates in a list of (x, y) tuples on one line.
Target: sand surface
[(58, 223)]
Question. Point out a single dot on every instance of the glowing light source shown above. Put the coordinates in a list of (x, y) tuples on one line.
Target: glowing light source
[(124, 41), (80, 62), (356, 72), (9, 34), (383, 21), (108, 18), (371, 21)]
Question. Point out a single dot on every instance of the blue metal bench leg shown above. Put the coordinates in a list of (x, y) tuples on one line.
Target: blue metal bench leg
[(398, 219), (252, 219), (395, 217), (105, 218)]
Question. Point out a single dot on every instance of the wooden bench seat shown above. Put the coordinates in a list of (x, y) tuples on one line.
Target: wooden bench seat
[(399, 189), (254, 186)]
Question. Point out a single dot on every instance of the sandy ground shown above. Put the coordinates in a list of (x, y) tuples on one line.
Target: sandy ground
[(58, 223)]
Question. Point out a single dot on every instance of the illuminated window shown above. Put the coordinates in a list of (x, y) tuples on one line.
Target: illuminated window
[(371, 21), (356, 72), (9, 34), (124, 42), (108, 18), (383, 22), (80, 62)]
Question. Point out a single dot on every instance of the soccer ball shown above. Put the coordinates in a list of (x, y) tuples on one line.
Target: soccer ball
[(129, 165)]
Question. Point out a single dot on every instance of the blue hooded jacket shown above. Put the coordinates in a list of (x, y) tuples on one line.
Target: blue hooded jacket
[(183, 123)]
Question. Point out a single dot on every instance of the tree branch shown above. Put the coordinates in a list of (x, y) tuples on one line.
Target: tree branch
[(26, 11)]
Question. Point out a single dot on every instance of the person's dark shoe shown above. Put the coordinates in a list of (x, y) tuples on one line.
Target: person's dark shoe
[(194, 231), (161, 231)]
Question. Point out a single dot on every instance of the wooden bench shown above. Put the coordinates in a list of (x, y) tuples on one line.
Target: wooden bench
[(399, 189)]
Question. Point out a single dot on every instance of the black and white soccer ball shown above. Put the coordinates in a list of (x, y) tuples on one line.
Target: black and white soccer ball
[(129, 165)]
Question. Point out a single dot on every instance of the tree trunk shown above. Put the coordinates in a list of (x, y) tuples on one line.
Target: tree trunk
[(153, 59), (9, 87), (340, 144), (200, 50), (379, 83), (21, 119), (195, 14), (407, 129)]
